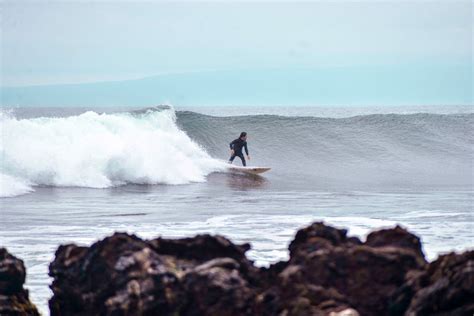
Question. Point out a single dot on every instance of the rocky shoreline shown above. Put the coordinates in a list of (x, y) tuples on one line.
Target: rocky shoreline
[(328, 273)]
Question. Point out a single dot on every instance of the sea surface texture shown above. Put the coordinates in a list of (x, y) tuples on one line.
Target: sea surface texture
[(74, 175)]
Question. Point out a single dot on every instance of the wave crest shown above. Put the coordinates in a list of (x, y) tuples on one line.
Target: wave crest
[(100, 150)]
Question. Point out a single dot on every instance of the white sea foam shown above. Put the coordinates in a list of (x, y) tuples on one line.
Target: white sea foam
[(98, 151), (12, 186)]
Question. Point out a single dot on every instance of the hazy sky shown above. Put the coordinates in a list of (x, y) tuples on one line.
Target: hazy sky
[(47, 42)]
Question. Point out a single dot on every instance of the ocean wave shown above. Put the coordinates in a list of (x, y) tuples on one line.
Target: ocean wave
[(396, 150), (99, 151), (160, 146)]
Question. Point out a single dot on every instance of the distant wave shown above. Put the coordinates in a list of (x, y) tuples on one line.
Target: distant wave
[(98, 151)]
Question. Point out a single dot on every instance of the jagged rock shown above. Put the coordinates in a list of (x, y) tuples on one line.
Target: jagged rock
[(291, 295), (318, 236), (334, 272), (118, 275), (328, 273), (14, 298), (124, 275), (396, 237), (446, 287), (200, 248), (217, 287), (366, 277)]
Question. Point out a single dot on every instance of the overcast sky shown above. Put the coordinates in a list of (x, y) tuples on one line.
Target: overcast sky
[(70, 41)]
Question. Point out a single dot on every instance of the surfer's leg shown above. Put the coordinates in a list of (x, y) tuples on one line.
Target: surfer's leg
[(241, 156), (231, 159)]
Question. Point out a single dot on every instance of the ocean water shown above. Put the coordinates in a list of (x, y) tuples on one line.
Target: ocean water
[(74, 175)]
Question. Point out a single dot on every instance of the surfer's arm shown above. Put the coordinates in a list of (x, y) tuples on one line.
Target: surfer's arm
[(231, 145), (246, 149)]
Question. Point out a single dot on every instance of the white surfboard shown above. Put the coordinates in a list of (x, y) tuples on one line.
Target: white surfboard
[(249, 170)]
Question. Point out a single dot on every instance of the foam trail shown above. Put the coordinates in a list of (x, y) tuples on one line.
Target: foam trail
[(99, 151)]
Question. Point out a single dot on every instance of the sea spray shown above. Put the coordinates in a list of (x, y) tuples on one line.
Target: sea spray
[(99, 151)]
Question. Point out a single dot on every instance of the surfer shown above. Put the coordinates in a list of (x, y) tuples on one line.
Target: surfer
[(236, 148)]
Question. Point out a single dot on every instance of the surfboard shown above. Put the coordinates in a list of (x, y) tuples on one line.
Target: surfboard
[(249, 170)]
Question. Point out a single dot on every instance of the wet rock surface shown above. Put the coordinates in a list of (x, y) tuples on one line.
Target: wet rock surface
[(328, 273), (14, 299)]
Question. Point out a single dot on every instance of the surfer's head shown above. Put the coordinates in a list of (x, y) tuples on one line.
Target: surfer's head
[(243, 136)]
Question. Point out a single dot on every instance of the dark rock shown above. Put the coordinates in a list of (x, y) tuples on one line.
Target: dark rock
[(14, 298), (124, 275), (200, 248), (314, 237), (328, 273), (217, 287), (291, 295), (446, 287), (118, 275), (346, 272), (366, 277), (396, 237)]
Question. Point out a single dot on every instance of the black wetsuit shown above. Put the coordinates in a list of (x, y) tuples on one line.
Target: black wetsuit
[(237, 146)]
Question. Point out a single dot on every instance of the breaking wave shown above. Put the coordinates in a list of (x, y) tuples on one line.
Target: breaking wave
[(98, 151), (161, 146)]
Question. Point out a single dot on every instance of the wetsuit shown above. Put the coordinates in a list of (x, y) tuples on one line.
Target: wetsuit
[(237, 146)]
